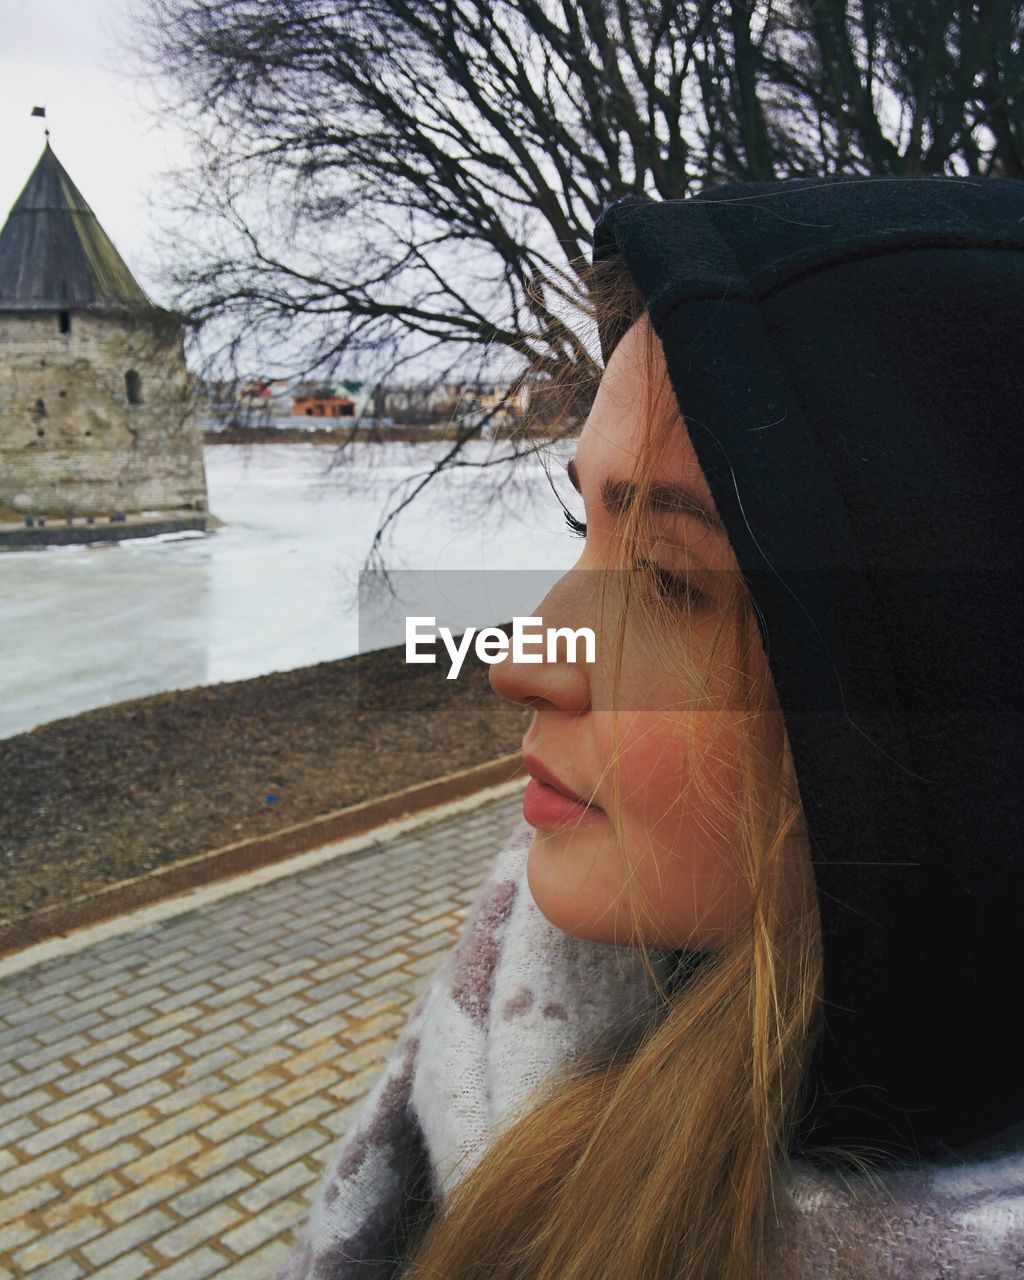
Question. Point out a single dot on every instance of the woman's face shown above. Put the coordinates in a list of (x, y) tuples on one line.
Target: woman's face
[(686, 881)]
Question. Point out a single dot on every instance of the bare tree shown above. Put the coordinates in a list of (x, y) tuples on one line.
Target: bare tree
[(921, 87), (378, 171)]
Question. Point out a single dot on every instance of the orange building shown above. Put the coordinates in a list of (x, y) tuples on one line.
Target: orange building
[(326, 404)]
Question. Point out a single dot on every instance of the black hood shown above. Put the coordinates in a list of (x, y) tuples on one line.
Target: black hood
[(848, 355)]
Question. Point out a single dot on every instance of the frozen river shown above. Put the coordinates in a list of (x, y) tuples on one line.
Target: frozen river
[(278, 586)]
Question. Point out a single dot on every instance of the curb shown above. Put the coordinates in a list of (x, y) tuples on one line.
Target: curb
[(23, 538), (249, 855)]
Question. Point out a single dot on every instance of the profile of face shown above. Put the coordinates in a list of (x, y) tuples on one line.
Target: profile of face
[(669, 860)]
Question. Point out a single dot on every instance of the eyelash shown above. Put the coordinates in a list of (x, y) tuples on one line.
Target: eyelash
[(673, 587), (670, 586), (578, 527)]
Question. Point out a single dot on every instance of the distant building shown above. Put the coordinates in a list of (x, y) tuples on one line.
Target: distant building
[(260, 401), (323, 402), (255, 394), (462, 401), (96, 406)]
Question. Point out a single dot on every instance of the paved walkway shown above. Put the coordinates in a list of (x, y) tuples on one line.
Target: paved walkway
[(168, 1097)]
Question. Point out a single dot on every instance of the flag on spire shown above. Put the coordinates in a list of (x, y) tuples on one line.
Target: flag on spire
[(39, 111)]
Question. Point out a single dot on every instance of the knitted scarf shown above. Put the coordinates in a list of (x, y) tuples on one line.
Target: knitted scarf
[(515, 999)]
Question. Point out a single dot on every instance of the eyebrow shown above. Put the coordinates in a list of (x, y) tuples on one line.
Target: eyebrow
[(669, 499)]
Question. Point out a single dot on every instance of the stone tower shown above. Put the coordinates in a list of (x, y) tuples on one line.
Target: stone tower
[(96, 409)]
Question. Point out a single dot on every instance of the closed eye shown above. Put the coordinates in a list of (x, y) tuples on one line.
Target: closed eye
[(673, 587)]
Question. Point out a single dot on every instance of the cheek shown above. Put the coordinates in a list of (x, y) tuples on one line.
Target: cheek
[(680, 781), (667, 763)]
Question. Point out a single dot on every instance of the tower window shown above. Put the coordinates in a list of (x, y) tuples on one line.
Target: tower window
[(133, 387), (64, 320)]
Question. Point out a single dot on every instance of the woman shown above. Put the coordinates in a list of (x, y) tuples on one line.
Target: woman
[(739, 1002)]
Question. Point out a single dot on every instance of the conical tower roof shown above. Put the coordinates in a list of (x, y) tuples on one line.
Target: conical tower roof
[(55, 256)]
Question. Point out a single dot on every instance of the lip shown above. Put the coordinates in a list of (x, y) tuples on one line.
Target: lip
[(537, 769), (548, 804)]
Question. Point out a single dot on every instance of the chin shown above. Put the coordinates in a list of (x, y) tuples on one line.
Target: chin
[(561, 899)]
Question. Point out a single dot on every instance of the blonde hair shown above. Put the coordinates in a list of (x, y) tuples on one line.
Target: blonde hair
[(658, 1157)]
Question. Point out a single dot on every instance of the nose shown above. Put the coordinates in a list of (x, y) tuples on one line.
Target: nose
[(555, 683)]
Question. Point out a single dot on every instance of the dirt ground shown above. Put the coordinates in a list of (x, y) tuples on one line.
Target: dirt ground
[(101, 797)]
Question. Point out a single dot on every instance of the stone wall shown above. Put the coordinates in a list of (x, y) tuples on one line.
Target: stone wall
[(98, 419)]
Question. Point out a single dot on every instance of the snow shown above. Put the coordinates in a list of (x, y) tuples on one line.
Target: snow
[(279, 586)]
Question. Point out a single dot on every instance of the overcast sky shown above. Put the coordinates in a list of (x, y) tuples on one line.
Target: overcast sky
[(70, 57), (65, 55)]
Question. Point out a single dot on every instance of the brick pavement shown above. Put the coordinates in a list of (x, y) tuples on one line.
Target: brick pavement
[(168, 1097)]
